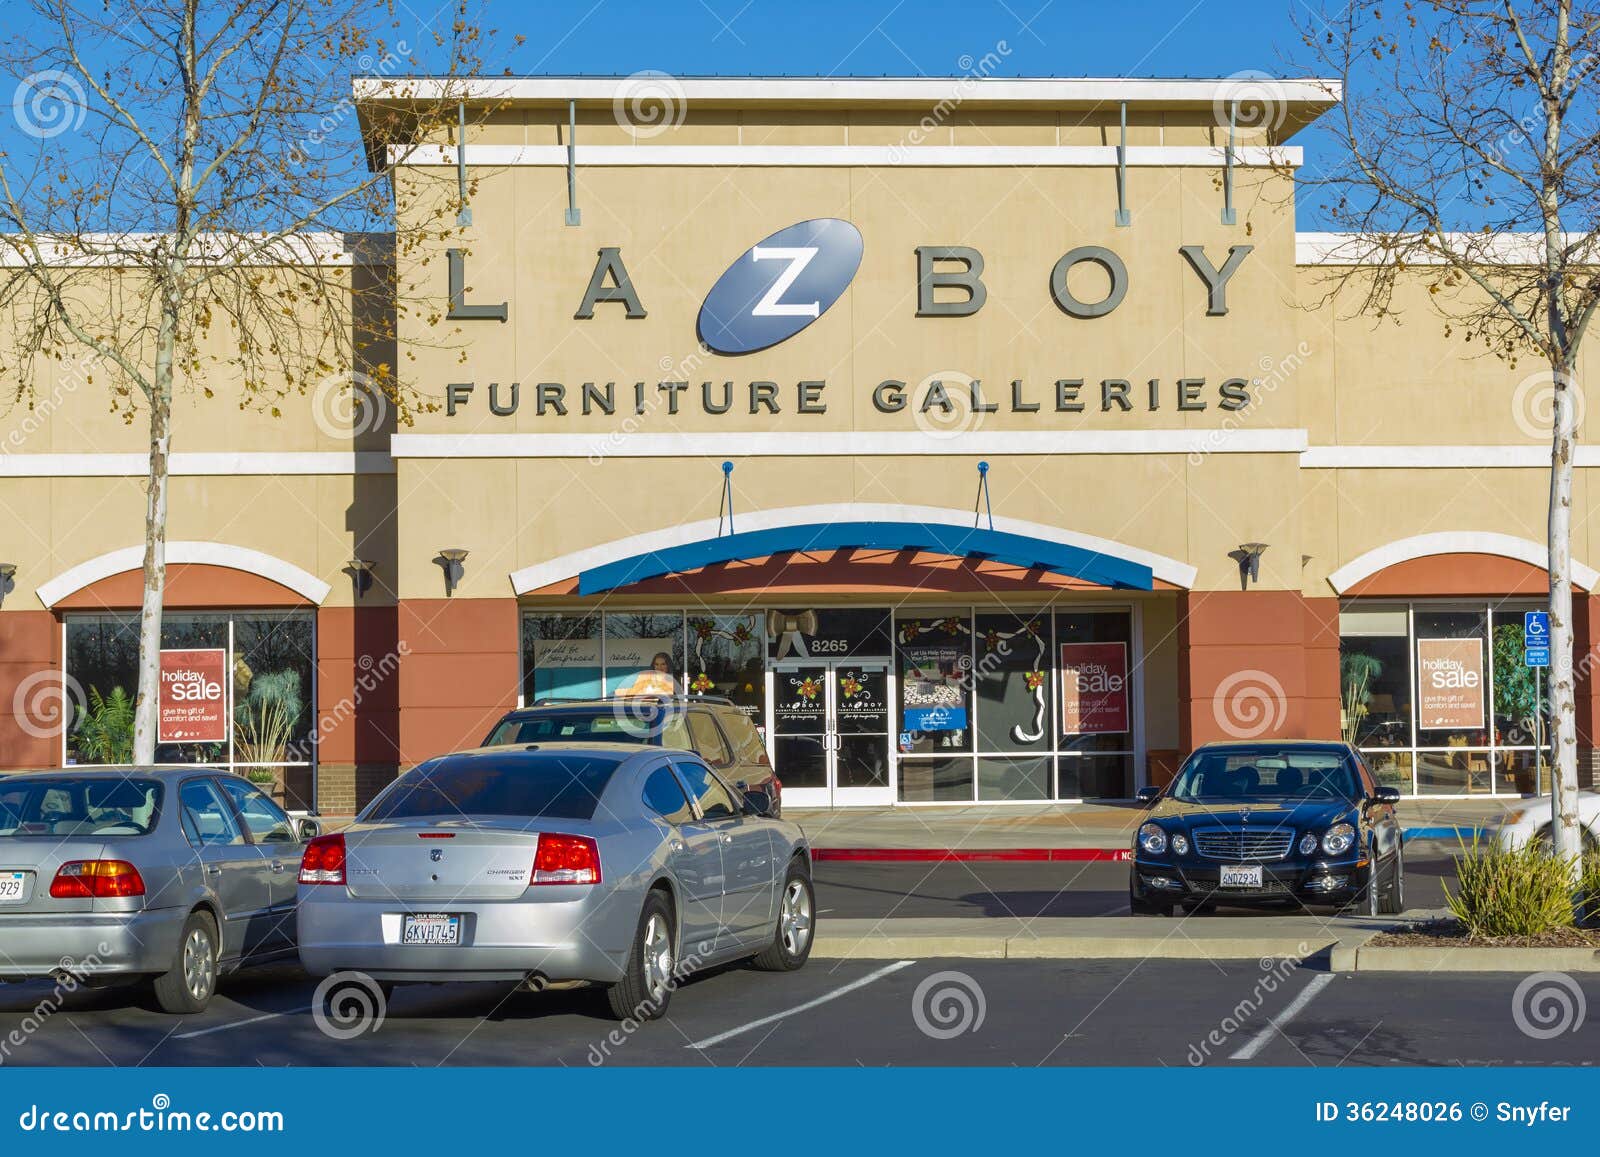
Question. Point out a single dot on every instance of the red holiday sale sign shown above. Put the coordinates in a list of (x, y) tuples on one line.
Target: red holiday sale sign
[(193, 703), (1094, 688)]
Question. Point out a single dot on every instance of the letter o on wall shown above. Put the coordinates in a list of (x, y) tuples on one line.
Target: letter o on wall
[(1115, 271)]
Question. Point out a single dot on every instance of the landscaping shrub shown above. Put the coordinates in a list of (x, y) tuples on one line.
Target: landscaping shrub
[(1589, 890), (1526, 892)]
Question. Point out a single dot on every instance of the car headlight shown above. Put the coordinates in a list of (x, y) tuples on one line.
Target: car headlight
[(1308, 843), (1180, 844), (1153, 839), (1339, 839)]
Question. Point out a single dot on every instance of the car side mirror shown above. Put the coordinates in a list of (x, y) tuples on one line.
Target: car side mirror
[(307, 829), (1387, 794), (1148, 794), (758, 801)]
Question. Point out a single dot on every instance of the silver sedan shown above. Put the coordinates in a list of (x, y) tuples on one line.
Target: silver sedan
[(176, 874), (556, 864)]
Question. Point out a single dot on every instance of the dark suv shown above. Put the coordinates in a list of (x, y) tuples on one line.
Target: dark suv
[(709, 725)]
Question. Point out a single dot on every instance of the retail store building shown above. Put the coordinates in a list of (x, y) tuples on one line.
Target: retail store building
[(981, 447)]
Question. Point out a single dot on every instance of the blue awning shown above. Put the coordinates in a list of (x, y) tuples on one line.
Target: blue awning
[(958, 541)]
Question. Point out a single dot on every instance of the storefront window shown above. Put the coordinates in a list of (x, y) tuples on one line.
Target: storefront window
[(726, 657), (1094, 652), (644, 654), (933, 655), (1014, 679), (1438, 698), (560, 657), (265, 715)]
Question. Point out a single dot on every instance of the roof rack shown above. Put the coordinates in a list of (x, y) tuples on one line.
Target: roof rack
[(678, 698)]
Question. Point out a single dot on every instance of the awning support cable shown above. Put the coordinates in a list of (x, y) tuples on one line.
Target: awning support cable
[(1124, 217), (1228, 215), (727, 498), (983, 497), (573, 216)]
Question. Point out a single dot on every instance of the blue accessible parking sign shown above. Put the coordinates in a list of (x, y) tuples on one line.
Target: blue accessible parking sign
[(1536, 639)]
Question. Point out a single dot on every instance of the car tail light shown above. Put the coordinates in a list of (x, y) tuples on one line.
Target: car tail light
[(566, 860), (323, 861), (99, 879)]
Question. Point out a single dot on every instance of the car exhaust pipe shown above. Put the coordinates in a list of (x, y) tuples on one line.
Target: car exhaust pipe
[(534, 982)]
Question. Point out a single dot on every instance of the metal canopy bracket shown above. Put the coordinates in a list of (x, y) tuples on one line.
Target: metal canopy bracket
[(983, 495), (1124, 217), (727, 498), (464, 217), (957, 541), (573, 216), (1228, 215)]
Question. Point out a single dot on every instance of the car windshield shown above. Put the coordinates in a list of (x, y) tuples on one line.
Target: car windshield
[(635, 726), (82, 806), (1266, 773), (555, 787)]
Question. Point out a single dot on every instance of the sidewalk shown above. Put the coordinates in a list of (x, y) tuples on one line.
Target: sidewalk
[(1071, 831)]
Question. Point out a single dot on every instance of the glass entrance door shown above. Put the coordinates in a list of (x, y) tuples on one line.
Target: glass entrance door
[(830, 733)]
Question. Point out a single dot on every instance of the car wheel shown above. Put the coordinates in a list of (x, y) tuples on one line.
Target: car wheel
[(1143, 907), (1544, 839), (1393, 901), (791, 940), (188, 985), (646, 985)]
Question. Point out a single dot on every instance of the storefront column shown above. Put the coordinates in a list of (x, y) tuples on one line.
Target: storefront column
[(358, 695), (458, 673), (32, 709), (1257, 664)]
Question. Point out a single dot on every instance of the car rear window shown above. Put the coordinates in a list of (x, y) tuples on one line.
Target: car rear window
[(82, 806), (581, 726), (549, 786)]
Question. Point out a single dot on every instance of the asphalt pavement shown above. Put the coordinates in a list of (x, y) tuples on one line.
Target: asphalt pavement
[(913, 1012)]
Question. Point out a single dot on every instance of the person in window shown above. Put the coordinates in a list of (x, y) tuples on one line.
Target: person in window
[(658, 680)]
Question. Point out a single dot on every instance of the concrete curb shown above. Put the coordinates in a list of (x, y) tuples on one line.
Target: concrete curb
[(1439, 959)]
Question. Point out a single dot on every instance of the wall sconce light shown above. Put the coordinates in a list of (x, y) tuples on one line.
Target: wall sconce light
[(1248, 556), (7, 571), (361, 574), (451, 560)]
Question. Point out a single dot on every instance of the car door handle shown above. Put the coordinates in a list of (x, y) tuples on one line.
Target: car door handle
[(727, 839), (277, 865), (676, 845), (213, 870)]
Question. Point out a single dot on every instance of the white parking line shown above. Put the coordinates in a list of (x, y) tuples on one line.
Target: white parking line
[(1296, 1007), (238, 1023), (823, 999)]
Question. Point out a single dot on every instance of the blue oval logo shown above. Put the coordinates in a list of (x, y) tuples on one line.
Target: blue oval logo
[(780, 285)]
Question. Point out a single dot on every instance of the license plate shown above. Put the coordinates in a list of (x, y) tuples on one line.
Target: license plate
[(1242, 876), (431, 930), (12, 885)]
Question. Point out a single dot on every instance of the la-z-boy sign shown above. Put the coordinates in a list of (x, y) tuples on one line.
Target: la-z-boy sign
[(785, 282)]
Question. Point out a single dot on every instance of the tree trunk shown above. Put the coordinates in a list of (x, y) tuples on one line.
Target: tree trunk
[(146, 706), (1563, 698)]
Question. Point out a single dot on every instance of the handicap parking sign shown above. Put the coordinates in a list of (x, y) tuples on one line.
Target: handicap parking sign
[(1536, 639)]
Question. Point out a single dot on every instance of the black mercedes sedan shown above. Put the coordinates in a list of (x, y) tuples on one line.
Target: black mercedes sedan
[(1285, 821)]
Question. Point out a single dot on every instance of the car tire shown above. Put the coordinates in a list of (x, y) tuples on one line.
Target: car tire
[(796, 925), (187, 987), (1545, 838), (1392, 901), (646, 986), (1142, 907)]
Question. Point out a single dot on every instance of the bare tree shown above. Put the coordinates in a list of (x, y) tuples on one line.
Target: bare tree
[(1470, 142), (194, 204)]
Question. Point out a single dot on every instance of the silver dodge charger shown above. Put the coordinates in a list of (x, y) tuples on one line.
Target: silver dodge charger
[(557, 863)]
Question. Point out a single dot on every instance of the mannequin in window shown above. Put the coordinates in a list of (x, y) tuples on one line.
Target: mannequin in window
[(657, 680)]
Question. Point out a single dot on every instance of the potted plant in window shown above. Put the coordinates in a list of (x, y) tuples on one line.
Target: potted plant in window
[(264, 723), (105, 728)]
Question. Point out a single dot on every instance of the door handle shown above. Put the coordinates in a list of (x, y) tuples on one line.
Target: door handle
[(727, 839), (676, 845), (213, 870), (277, 865)]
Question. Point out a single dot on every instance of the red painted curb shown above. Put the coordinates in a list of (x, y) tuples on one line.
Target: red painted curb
[(969, 855)]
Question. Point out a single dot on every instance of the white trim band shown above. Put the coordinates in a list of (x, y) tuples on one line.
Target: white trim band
[(250, 464), (568, 566), (1530, 457), (853, 156), (844, 443), (1453, 542), (115, 562)]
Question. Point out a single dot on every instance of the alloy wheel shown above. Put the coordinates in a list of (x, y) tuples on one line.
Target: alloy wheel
[(794, 919), (657, 956), (199, 964)]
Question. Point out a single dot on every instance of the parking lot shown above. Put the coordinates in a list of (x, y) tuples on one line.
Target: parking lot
[(877, 1012)]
